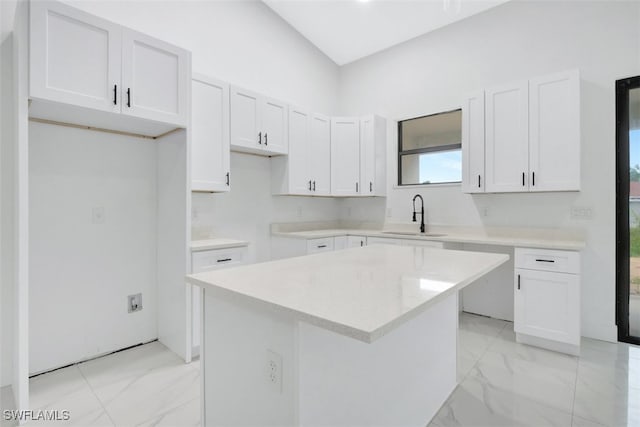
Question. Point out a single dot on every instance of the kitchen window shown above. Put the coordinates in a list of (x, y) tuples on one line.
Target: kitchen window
[(429, 149)]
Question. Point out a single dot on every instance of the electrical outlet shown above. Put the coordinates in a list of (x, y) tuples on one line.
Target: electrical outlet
[(134, 303), (581, 212), (97, 215), (274, 371)]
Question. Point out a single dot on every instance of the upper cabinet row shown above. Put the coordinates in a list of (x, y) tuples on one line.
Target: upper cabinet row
[(104, 75), (312, 154), (524, 136), (339, 156)]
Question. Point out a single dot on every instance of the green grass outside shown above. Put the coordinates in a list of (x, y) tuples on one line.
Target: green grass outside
[(634, 241)]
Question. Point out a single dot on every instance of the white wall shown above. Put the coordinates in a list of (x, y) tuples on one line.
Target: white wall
[(7, 10), (81, 270), (517, 40), (247, 44)]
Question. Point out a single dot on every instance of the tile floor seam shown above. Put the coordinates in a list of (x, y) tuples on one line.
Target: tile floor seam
[(575, 390), (104, 408)]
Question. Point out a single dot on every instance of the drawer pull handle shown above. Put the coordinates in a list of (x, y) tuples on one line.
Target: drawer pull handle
[(322, 246), (518, 282), (224, 260), (545, 260)]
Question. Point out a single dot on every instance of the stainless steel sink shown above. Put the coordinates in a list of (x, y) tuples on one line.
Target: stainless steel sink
[(415, 233)]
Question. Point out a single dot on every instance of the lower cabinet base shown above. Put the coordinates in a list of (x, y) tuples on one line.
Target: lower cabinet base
[(558, 346)]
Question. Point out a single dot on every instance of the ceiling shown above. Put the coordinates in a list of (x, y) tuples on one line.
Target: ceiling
[(347, 30)]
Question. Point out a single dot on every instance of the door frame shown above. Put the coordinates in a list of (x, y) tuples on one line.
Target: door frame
[(623, 86)]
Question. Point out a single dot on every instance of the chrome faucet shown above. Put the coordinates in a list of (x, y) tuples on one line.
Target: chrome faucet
[(421, 211)]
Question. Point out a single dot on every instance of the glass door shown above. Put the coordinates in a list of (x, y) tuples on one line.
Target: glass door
[(628, 209)]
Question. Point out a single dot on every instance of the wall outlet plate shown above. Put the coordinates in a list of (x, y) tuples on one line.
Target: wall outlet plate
[(134, 303), (274, 371)]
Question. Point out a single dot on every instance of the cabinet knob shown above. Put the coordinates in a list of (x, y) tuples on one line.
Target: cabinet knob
[(356, 187), (523, 179), (314, 186), (370, 187), (266, 139), (478, 181), (533, 179), (227, 178), (309, 185), (115, 94), (259, 137), (129, 97)]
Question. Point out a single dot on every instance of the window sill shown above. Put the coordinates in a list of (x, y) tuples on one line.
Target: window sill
[(444, 184)]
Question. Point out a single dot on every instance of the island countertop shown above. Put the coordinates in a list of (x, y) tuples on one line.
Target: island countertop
[(363, 293)]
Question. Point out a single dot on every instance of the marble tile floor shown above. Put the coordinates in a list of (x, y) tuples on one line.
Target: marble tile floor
[(143, 386), (502, 383)]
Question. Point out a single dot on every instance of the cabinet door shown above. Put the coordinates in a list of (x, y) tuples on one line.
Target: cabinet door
[(75, 57), (473, 177), (507, 138), (245, 119), (554, 132), (155, 79), (345, 156), (319, 154), (356, 241), (274, 126), (547, 305), (367, 155), (209, 135), (300, 177), (383, 240)]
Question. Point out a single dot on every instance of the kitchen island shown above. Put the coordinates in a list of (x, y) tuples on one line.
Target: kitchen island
[(362, 336)]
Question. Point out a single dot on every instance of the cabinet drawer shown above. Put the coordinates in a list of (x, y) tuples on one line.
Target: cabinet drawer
[(217, 258), (548, 260), (319, 245)]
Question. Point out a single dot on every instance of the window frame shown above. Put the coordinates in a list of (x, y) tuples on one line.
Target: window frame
[(440, 148)]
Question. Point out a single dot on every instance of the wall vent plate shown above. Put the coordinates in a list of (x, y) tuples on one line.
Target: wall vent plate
[(134, 303)]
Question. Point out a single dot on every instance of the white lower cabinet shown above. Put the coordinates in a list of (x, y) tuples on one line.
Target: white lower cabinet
[(423, 243), (547, 298), (356, 241), (383, 240), (202, 261)]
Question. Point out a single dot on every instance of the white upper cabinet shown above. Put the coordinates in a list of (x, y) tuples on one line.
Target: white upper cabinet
[(75, 58), (373, 156), (306, 170), (319, 154), (85, 64), (258, 124), (274, 126), (210, 149), (507, 138), (155, 76), (554, 132), (473, 176), (245, 118), (523, 136), (345, 156)]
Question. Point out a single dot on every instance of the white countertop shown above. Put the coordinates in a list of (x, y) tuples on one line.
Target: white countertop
[(363, 293), (532, 238), (219, 243)]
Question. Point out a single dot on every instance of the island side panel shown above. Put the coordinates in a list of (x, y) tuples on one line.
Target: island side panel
[(236, 339), (401, 379)]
